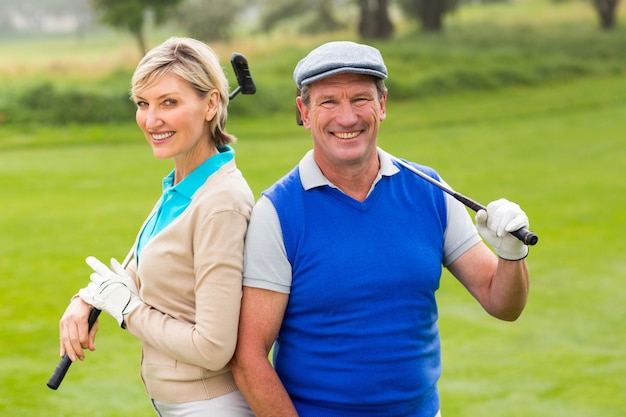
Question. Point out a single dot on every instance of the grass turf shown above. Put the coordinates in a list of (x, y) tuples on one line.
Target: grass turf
[(553, 141), (558, 151)]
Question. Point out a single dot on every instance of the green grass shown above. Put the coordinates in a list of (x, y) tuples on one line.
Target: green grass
[(558, 151), (523, 101)]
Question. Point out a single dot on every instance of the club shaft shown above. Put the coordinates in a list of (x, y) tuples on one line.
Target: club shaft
[(523, 234), (234, 93)]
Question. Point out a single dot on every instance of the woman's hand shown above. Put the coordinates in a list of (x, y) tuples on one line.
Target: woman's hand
[(75, 335)]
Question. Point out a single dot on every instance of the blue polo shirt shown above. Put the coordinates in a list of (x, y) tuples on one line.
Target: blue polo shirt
[(176, 198)]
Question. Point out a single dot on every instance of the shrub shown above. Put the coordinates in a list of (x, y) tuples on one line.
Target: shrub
[(43, 103)]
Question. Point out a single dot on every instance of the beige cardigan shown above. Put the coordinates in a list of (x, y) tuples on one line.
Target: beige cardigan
[(190, 278)]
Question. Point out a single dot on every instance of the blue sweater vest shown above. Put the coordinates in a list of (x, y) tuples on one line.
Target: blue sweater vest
[(360, 334)]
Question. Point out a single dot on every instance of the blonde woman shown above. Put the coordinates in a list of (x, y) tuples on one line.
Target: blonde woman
[(181, 293)]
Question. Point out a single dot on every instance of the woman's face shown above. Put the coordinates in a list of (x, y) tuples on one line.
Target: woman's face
[(174, 120)]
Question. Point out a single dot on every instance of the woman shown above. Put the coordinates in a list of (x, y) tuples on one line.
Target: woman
[(181, 293)]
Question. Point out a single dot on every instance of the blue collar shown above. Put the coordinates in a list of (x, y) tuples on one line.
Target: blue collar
[(190, 184)]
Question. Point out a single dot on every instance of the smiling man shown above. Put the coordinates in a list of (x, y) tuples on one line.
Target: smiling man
[(343, 256)]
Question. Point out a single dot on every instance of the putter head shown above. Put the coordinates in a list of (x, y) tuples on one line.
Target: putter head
[(242, 72)]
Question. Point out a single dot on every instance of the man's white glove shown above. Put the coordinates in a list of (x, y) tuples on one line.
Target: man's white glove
[(110, 290), (494, 224)]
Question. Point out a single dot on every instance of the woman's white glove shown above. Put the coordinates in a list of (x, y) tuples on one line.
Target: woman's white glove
[(495, 223), (110, 290)]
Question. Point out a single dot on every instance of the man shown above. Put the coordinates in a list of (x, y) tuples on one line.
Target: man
[(344, 255)]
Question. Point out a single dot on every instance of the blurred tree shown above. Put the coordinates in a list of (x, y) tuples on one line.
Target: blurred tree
[(209, 20), (606, 12), (320, 14), (274, 12), (131, 15), (323, 19), (374, 19), (373, 22), (429, 12)]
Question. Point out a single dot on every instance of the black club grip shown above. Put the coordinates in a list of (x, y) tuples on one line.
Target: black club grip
[(526, 236)]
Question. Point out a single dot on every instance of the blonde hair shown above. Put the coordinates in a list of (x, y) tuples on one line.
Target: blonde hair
[(194, 62)]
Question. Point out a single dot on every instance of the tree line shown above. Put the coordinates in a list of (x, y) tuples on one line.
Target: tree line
[(211, 20)]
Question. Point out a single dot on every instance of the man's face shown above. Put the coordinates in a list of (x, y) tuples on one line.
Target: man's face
[(344, 116)]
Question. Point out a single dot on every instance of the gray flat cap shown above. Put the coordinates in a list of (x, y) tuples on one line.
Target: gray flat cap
[(339, 57)]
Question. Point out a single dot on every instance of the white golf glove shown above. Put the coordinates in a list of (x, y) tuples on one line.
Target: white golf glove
[(494, 224), (110, 290)]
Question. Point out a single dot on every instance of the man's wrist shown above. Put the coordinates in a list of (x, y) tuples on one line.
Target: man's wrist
[(514, 257)]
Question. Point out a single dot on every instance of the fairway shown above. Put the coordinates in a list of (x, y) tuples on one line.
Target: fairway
[(558, 151), (524, 100)]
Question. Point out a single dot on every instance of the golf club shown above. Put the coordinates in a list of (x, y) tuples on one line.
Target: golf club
[(526, 236), (246, 86)]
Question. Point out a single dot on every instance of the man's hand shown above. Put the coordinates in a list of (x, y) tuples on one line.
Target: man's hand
[(494, 224), (110, 290)]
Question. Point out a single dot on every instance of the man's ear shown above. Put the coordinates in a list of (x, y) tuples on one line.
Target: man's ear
[(383, 107), (298, 116), (302, 116)]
